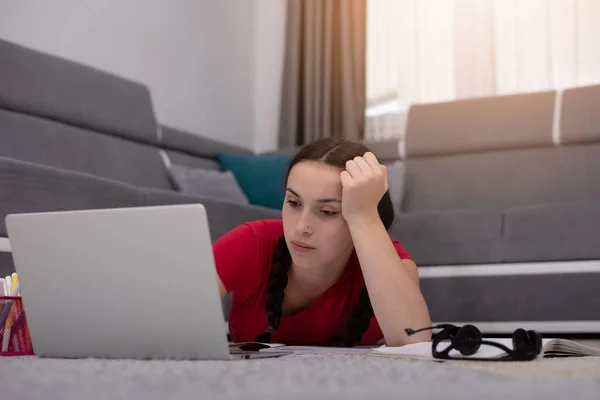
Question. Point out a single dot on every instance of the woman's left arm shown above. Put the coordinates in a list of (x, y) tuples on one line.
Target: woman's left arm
[(392, 283)]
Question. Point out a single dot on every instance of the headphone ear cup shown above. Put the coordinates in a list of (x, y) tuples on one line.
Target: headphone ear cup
[(527, 342), (536, 341), (467, 340), (519, 340)]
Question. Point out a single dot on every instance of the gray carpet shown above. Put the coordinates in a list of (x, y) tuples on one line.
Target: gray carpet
[(297, 377)]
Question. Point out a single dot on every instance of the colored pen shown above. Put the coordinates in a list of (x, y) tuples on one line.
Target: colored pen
[(8, 310)]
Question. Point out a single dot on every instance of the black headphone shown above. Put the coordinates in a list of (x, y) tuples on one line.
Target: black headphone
[(467, 339)]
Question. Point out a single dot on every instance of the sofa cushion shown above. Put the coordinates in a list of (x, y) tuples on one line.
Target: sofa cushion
[(42, 141), (27, 187), (43, 85), (502, 179), (217, 185), (552, 232), (222, 217), (261, 177), (481, 124), (451, 237), (580, 115)]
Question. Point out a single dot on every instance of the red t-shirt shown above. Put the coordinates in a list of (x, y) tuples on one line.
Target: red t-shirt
[(243, 259)]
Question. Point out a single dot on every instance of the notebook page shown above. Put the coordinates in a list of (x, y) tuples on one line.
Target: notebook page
[(569, 347)]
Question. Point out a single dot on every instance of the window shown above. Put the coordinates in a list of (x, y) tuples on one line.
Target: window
[(421, 51)]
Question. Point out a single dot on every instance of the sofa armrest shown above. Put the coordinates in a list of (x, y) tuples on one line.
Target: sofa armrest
[(28, 187)]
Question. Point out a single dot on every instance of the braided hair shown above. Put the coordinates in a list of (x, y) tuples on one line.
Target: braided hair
[(335, 152)]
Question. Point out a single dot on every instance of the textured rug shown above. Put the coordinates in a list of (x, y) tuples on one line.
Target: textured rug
[(544, 369), (297, 377)]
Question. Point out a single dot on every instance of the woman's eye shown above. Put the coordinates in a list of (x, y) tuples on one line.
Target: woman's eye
[(292, 203), (329, 213)]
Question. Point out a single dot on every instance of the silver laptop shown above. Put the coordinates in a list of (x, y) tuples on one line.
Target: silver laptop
[(135, 283)]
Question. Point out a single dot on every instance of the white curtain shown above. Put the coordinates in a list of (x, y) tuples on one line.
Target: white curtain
[(421, 51)]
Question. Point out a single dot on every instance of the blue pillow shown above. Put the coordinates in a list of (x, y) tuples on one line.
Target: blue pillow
[(261, 177)]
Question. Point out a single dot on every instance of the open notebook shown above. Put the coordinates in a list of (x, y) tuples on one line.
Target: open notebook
[(550, 348), (422, 350)]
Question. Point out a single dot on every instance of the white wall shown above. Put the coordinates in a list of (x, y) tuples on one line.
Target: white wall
[(211, 65), (269, 53)]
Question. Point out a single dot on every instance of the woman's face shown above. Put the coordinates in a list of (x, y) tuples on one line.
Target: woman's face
[(315, 232)]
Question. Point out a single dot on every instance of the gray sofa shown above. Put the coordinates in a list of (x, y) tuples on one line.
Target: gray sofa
[(502, 209), (73, 137), (503, 219)]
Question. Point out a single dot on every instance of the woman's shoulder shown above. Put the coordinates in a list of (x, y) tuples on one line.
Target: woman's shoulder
[(243, 254)]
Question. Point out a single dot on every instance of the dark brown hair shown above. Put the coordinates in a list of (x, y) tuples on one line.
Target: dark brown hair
[(334, 152)]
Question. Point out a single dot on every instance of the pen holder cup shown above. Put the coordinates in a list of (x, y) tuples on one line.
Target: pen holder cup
[(14, 332)]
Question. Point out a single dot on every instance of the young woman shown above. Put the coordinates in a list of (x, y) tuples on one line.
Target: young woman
[(328, 272)]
